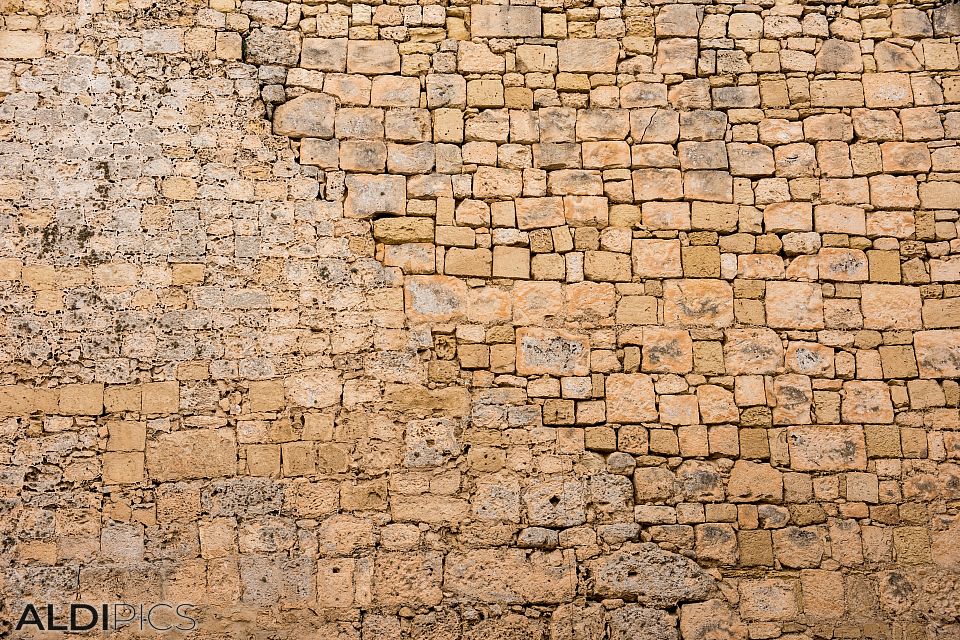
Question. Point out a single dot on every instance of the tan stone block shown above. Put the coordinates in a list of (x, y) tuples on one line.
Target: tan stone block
[(550, 352), (711, 216), (823, 448), (308, 116), (756, 548), (630, 398), (667, 350), (768, 599), (679, 409), (468, 262), (656, 259), (263, 460), (788, 216), (298, 458), (836, 93), (435, 299), (894, 192), (701, 262), (587, 55), (912, 545), (161, 397), (511, 262), (122, 467), (752, 351), (937, 195), (657, 184), (823, 594), (372, 57), (716, 404), (21, 45), (699, 302), (637, 310), (794, 305), (887, 306), (81, 399), (194, 453), (607, 266), (117, 398), (504, 21), (884, 266), (754, 444), (844, 265), (885, 90), (126, 435)]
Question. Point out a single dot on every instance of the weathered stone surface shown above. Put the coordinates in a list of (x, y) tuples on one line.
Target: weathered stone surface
[(309, 116), (492, 575), (630, 398), (504, 21), (588, 55), (752, 351), (648, 575), (16, 45), (435, 298), (196, 453), (696, 303), (938, 353), (309, 306), (544, 351), (821, 448)]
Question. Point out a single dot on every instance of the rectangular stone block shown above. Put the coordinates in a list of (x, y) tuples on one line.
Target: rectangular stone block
[(21, 45), (938, 353), (504, 21), (588, 55), (551, 352), (510, 576), (194, 453), (823, 448), (372, 57), (81, 399)]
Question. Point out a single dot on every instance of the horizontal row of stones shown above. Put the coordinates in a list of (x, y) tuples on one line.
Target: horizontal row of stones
[(689, 492)]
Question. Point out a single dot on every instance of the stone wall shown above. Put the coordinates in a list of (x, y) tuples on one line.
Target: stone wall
[(544, 321)]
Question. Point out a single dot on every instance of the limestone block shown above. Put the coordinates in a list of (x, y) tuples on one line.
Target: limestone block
[(21, 45), (504, 21), (588, 55), (550, 352), (488, 575), (823, 448), (194, 453), (372, 57), (309, 116), (324, 54)]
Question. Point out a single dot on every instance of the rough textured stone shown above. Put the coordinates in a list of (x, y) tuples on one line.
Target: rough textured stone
[(647, 574)]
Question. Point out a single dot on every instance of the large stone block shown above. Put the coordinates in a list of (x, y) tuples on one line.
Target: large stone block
[(649, 575), (368, 195), (504, 21), (194, 453), (21, 45), (309, 116), (827, 448), (435, 299), (552, 352), (697, 303), (938, 353), (510, 576), (588, 55), (630, 398), (372, 57), (269, 45)]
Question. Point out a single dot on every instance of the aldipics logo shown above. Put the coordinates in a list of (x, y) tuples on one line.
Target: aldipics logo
[(107, 616)]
